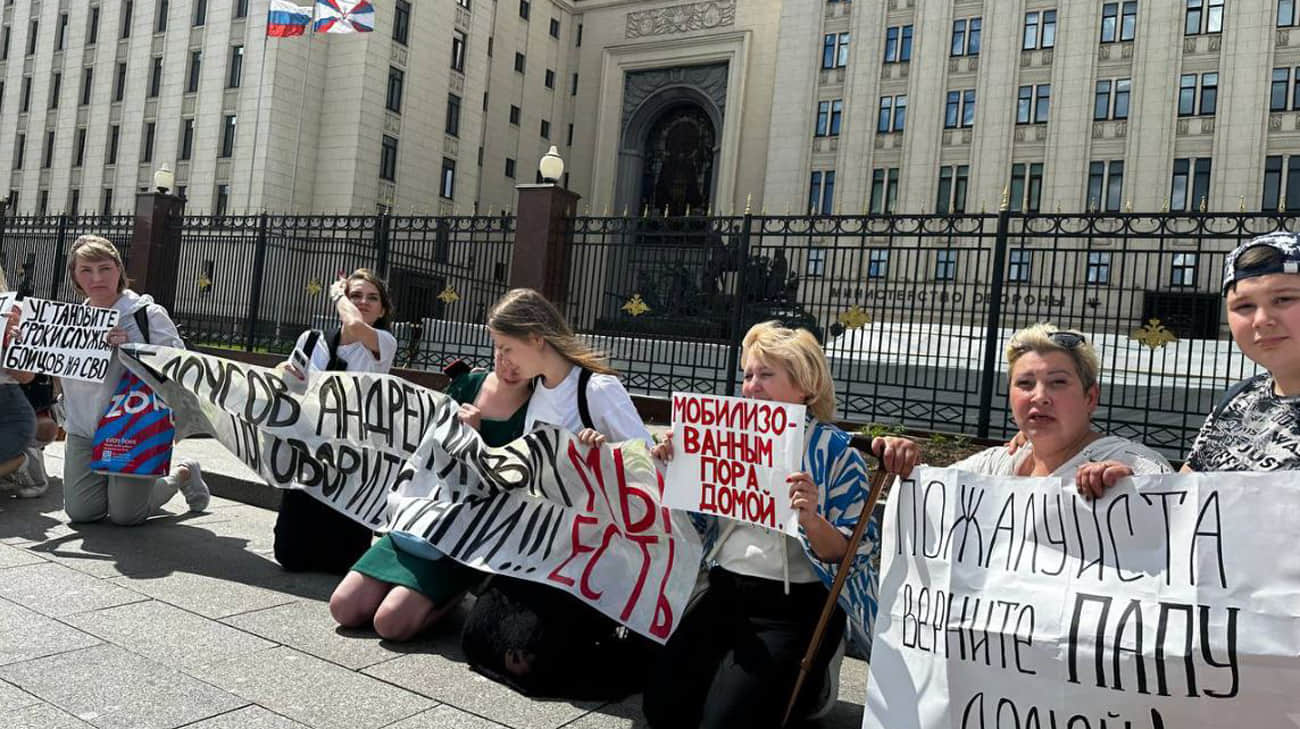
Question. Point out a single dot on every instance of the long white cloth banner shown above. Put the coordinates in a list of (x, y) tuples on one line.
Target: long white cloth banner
[(62, 339), (1014, 603), (393, 455)]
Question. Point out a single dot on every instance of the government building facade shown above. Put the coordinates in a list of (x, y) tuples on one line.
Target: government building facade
[(870, 106)]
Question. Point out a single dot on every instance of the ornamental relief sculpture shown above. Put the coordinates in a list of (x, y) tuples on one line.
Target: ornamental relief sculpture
[(681, 18)]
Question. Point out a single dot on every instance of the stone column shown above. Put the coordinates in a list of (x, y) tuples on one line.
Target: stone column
[(154, 258), (540, 255)]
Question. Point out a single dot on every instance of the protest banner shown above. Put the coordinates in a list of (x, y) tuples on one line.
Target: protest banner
[(62, 339), (7, 299), (731, 457), (1015, 603), (393, 455)]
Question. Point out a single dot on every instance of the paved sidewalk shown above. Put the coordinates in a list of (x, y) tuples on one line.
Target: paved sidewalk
[(188, 622)]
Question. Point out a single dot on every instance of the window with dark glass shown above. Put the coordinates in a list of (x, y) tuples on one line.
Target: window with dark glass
[(884, 190), (119, 82), (401, 21), (1179, 184), (952, 189), (1286, 15), (146, 147), (393, 100), (87, 84), (1293, 182), (222, 203), (555, 28), (241, 8), (877, 263), (945, 265), (187, 139), (458, 51), (829, 114), (573, 85), (114, 136), (1118, 21), (835, 50), (1020, 263), (235, 74), (388, 159), (1033, 104), (61, 37), (20, 148), (196, 62), (952, 110), (1098, 267), (108, 201), (1183, 270), (160, 16), (514, 115), (965, 37), (1277, 93), (525, 9), (1209, 93), (56, 86), (453, 115), (821, 192), (510, 168), (545, 131), (893, 114), (548, 79), (92, 26), (447, 180), (47, 154), (4, 43), (229, 123), (1039, 30), (1203, 16), (155, 76), (1272, 183), (127, 8), (25, 98), (200, 12), (79, 148), (519, 62)]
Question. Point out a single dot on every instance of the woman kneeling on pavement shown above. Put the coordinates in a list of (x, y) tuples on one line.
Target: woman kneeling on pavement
[(1053, 389), (735, 657), (96, 270)]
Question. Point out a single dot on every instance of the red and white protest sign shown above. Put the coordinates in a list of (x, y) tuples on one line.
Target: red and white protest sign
[(731, 457)]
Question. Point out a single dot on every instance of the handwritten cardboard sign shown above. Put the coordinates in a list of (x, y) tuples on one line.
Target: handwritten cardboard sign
[(731, 457), (1174, 601), (395, 456), (62, 339)]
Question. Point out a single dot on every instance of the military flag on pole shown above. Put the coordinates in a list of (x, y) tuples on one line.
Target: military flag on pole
[(342, 16)]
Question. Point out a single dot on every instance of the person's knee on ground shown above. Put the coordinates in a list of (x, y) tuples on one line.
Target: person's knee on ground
[(355, 600), (404, 614)]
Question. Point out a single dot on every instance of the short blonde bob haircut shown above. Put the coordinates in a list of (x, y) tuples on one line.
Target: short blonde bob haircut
[(88, 248), (1039, 339), (802, 357)]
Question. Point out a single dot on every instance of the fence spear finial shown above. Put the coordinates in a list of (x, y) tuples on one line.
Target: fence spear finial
[(625, 211), (748, 199), (1242, 207), (1006, 198), (688, 210), (1128, 206), (645, 210)]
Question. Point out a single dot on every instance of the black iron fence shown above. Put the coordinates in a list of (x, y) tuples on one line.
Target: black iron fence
[(913, 310)]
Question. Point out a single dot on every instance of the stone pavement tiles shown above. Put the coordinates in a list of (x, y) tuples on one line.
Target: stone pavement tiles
[(187, 622)]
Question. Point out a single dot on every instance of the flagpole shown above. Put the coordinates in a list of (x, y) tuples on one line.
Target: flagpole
[(257, 125), (297, 142)]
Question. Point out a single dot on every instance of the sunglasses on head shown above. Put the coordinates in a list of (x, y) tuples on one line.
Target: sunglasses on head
[(1068, 340)]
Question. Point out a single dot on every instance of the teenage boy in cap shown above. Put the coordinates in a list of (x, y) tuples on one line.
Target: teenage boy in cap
[(1256, 427)]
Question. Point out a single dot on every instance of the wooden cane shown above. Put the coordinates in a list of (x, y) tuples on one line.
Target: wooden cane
[(878, 482)]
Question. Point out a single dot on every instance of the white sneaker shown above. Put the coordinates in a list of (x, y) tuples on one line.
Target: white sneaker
[(830, 686), (193, 488)]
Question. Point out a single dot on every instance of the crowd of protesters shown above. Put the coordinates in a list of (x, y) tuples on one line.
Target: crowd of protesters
[(733, 658)]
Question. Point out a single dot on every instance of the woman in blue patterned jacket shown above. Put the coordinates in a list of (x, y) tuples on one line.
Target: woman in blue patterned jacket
[(734, 659)]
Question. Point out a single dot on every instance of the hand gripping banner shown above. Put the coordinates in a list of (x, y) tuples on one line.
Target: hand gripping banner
[(395, 456)]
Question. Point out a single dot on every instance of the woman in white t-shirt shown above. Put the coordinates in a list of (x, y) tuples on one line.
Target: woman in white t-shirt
[(310, 536), (538, 639), (1053, 392)]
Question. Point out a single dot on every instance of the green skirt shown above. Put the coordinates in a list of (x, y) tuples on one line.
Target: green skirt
[(440, 580)]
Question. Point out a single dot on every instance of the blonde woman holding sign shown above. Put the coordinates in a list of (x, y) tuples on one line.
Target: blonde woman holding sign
[(97, 272), (734, 659)]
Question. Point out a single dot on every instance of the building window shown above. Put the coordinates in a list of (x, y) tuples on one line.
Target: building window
[(458, 51), (196, 63), (1187, 94), (236, 71), (393, 102), (1279, 89), (1102, 107), (453, 115), (893, 114), (74, 200), (160, 19), (42, 202), (1040, 29), (107, 208), (966, 37), (1209, 93), (1183, 270), (447, 181), (119, 83), (821, 192), (1286, 13), (829, 114), (200, 12), (1033, 104), (146, 149), (555, 28), (1098, 267), (222, 203), (952, 189), (32, 30), (525, 9), (1106, 185), (569, 138), (79, 149), (61, 37), (877, 262), (25, 100), (47, 154), (401, 20), (1026, 189), (577, 38), (884, 190), (1204, 16), (546, 129), (228, 125), (549, 79), (573, 86), (514, 115), (1019, 264), (241, 8), (4, 43), (155, 77), (87, 79), (20, 149), (898, 45), (1190, 184), (960, 109), (127, 7), (56, 86), (835, 50), (92, 26), (816, 264), (388, 159), (510, 168), (945, 265), (1118, 21), (187, 139), (519, 62), (114, 135), (1272, 183)]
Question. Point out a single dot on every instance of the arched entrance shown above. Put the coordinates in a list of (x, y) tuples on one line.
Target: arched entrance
[(677, 175)]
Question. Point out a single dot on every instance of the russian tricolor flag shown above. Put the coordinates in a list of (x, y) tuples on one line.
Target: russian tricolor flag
[(286, 19)]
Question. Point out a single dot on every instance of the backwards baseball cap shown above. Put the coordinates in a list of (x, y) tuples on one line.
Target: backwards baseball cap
[(1287, 260)]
